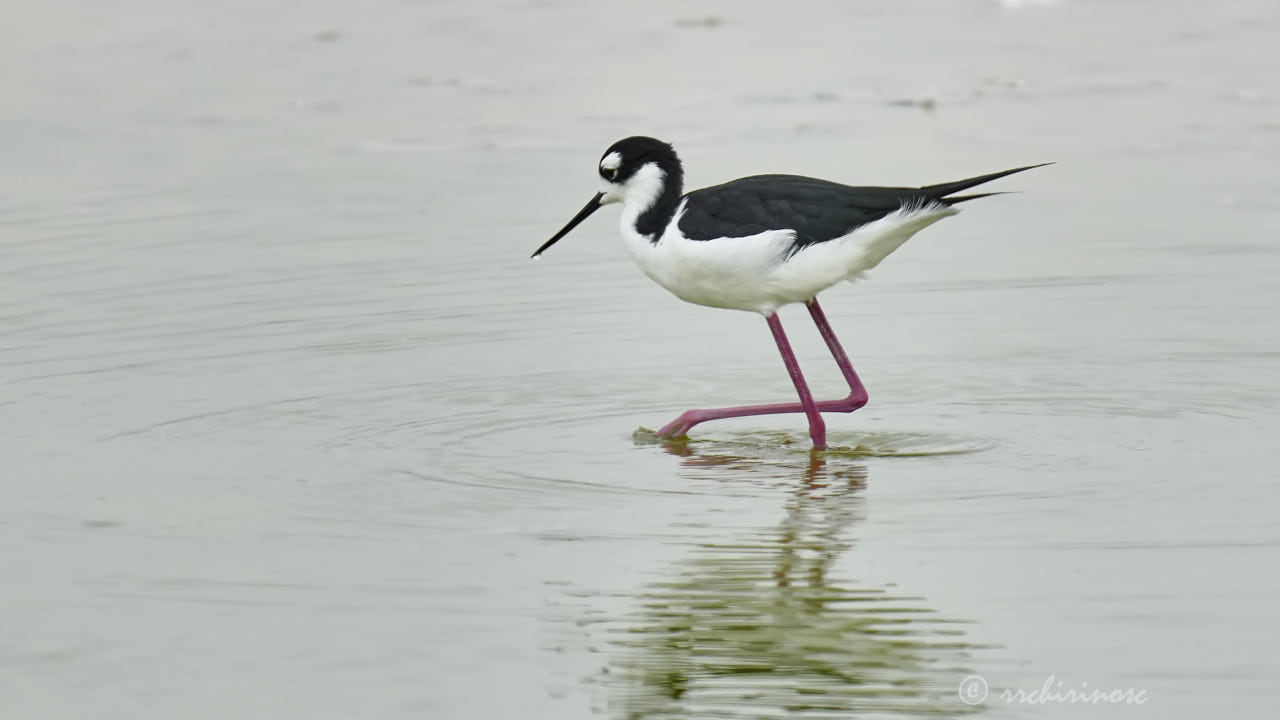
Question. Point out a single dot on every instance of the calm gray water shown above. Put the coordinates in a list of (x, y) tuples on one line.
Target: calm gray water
[(292, 428)]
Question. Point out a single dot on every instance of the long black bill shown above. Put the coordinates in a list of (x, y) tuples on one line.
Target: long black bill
[(592, 206)]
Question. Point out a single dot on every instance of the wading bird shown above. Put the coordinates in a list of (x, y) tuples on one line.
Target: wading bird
[(758, 243)]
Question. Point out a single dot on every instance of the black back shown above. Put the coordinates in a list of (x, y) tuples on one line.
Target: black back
[(817, 210)]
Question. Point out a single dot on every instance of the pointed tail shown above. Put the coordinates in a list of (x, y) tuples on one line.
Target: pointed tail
[(942, 192)]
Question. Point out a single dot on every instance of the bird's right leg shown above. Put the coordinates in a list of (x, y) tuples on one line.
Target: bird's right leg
[(856, 399), (857, 393), (817, 428)]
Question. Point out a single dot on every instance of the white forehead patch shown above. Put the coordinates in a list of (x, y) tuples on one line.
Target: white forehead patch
[(612, 161)]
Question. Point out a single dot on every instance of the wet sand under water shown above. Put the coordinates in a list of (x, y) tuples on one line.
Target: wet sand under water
[(293, 428)]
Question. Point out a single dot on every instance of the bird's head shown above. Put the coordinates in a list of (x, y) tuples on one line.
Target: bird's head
[(634, 171)]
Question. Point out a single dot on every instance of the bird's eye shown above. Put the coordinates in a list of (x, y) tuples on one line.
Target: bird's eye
[(609, 173)]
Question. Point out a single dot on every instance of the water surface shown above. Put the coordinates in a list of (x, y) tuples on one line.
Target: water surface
[(293, 428)]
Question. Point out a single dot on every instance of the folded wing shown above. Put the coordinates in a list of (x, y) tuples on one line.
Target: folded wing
[(815, 210)]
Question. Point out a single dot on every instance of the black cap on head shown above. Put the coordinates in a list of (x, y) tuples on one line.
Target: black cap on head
[(628, 155), (621, 161)]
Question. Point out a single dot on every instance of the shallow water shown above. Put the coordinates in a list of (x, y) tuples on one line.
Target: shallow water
[(293, 428)]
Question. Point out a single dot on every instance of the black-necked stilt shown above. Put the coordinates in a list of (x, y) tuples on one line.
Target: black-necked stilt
[(759, 243)]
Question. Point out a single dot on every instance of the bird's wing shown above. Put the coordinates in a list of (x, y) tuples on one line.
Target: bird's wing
[(815, 210)]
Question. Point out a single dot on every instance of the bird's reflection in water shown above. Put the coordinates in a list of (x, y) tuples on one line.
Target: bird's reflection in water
[(759, 627)]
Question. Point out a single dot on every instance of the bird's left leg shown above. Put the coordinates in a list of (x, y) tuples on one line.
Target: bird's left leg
[(817, 428)]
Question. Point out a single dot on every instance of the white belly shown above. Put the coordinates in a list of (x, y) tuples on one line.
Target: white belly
[(755, 273)]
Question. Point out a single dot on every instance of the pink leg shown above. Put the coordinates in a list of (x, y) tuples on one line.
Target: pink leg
[(856, 399), (817, 428), (857, 393)]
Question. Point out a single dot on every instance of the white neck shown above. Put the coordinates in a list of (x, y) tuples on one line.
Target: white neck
[(641, 191)]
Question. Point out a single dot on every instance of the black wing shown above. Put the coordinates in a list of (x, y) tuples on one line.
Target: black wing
[(817, 210)]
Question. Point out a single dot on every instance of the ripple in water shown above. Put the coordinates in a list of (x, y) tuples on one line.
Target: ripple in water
[(777, 443), (762, 625)]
